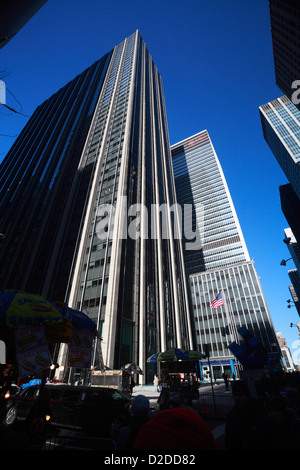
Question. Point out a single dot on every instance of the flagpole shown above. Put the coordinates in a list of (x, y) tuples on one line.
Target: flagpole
[(230, 320), (231, 324), (219, 300)]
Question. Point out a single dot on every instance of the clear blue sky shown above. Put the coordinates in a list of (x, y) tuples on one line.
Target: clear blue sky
[(216, 62)]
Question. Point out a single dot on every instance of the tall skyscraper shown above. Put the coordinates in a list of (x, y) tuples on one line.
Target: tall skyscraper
[(294, 289), (294, 252), (81, 191), (293, 247), (285, 27), (280, 121), (200, 183), (14, 15), (221, 263), (290, 205)]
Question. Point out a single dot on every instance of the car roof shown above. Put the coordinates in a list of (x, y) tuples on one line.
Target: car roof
[(78, 388), (82, 388)]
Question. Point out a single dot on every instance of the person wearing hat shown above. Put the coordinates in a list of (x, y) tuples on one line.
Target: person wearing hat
[(174, 430), (140, 414)]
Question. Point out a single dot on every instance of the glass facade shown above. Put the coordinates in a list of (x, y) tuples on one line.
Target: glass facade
[(42, 189), (244, 305), (280, 121), (201, 184), (285, 26), (222, 263), (117, 148), (131, 287)]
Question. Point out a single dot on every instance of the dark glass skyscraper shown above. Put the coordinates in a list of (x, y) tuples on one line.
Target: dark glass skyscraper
[(285, 29), (290, 205), (81, 191), (280, 120)]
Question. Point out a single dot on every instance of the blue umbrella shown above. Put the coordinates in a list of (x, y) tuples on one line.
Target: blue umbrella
[(76, 317), (190, 355), (18, 308), (23, 309), (155, 357), (170, 354), (173, 353)]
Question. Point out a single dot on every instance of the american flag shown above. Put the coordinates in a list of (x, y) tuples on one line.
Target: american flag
[(217, 301)]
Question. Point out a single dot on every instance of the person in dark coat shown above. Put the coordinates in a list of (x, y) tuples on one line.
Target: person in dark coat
[(140, 414), (225, 381)]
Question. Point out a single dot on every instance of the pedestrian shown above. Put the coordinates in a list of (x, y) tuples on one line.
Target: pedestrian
[(175, 429), (225, 381), (140, 414), (156, 383), (132, 384)]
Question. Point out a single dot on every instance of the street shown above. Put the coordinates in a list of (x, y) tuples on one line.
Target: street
[(213, 407)]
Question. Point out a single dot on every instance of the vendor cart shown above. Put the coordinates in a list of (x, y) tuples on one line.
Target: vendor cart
[(179, 376), (180, 382), (118, 379)]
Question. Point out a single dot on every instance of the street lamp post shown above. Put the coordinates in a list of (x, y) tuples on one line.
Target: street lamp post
[(283, 262), (296, 326)]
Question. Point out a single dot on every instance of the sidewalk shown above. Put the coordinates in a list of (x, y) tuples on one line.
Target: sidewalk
[(147, 390)]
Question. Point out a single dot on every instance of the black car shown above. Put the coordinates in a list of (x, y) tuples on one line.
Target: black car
[(100, 411)]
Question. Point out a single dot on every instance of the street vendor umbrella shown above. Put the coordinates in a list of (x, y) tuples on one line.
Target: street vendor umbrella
[(190, 355), (155, 357), (133, 368), (169, 355), (22, 309), (29, 323), (173, 353), (77, 318)]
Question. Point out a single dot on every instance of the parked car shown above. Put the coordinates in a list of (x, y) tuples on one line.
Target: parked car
[(93, 410)]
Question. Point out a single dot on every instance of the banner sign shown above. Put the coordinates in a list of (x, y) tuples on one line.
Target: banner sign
[(80, 358), (32, 350), (29, 338), (80, 349)]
